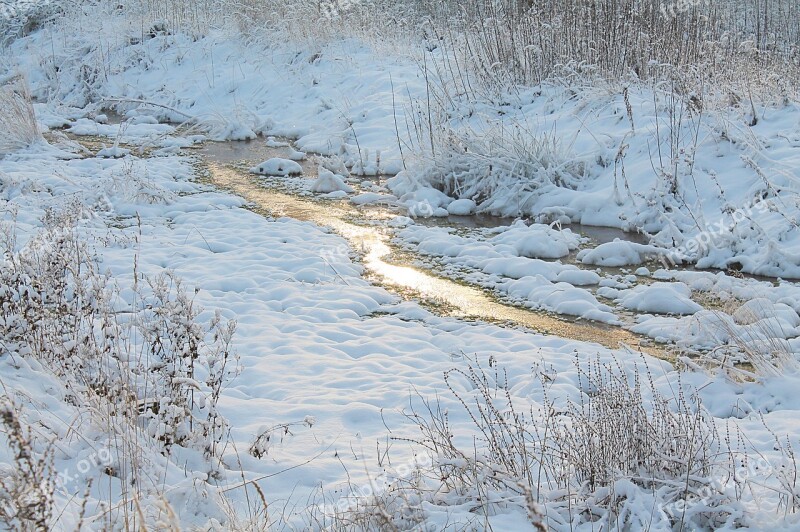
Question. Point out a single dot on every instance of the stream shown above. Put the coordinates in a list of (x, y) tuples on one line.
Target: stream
[(366, 232)]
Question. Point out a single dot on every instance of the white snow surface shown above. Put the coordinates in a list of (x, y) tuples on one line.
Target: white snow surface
[(619, 253), (279, 167), (319, 344), (287, 89), (661, 298), (461, 207), (328, 182)]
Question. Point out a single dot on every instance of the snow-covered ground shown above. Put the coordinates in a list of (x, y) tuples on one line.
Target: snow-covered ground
[(713, 185), (331, 366)]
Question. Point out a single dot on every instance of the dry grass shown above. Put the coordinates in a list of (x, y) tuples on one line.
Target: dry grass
[(516, 42), (752, 343), (26, 493), (623, 455), (18, 127), (148, 376)]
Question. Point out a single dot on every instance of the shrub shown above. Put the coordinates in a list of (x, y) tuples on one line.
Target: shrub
[(26, 493), (621, 455), (18, 127)]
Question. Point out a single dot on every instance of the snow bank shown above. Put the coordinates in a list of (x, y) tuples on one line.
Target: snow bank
[(561, 298), (462, 207), (538, 241), (660, 298), (328, 182), (277, 166), (619, 253)]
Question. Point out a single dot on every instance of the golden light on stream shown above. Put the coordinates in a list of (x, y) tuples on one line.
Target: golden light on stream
[(463, 301)]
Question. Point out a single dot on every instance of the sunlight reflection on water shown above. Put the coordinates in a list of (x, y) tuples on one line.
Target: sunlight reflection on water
[(463, 301)]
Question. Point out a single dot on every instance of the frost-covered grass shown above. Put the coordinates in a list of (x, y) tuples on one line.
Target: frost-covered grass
[(18, 127), (625, 452), (150, 372)]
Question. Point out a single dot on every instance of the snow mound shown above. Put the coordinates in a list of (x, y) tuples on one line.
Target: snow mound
[(618, 253), (708, 329), (561, 298), (328, 182), (400, 221), (295, 155), (660, 298), (232, 131), (431, 196), (578, 277), (277, 166), (461, 207), (761, 308), (114, 152), (372, 197), (705, 329), (538, 241), (272, 142)]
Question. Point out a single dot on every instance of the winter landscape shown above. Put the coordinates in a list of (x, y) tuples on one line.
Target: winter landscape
[(402, 265)]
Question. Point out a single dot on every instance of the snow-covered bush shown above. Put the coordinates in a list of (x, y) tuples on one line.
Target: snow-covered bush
[(622, 431), (174, 343), (155, 359), (504, 171), (623, 454), (26, 493), (20, 17), (150, 371), (399, 508), (18, 127)]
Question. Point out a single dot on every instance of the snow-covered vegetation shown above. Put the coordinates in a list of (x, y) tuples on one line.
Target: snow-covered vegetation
[(172, 360)]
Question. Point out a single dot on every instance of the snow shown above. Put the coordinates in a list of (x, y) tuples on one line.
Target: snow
[(277, 166), (368, 198), (660, 298), (336, 194), (337, 359), (761, 308), (328, 182), (114, 152), (295, 155), (562, 298), (538, 241), (619, 253), (272, 142), (462, 207), (578, 277)]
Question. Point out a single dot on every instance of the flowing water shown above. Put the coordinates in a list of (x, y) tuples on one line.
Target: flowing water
[(364, 233)]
